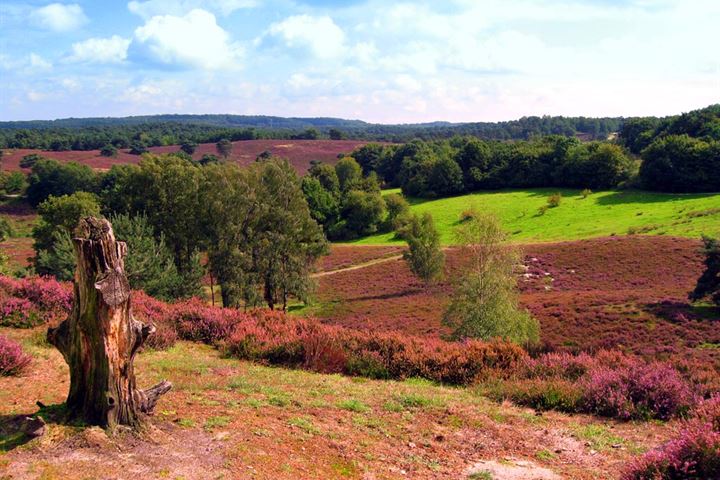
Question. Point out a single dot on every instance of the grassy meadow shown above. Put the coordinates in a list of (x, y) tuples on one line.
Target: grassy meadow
[(600, 214)]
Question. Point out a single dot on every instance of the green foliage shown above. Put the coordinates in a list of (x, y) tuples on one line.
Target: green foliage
[(224, 148), (327, 176), (448, 167), (362, 213), (59, 259), (424, 255), (6, 229), (50, 177), (349, 174), (708, 285), (109, 150), (336, 134), (157, 130), (13, 182), (188, 147), (166, 188), (324, 206), (208, 158), (138, 148), (149, 263), (484, 303), (58, 218), (28, 161), (369, 156), (398, 212), (680, 163), (263, 248)]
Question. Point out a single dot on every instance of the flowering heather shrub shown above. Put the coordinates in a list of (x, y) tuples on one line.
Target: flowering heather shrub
[(278, 339), (164, 337), (609, 383), (19, 313), (708, 412), (47, 294), (559, 365), (196, 321), (52, 298), (695, 454), (149, 310), (12, 358), (652, 390)]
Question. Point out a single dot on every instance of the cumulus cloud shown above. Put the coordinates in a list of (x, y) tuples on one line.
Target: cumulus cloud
[(59, 17), (319, 36), (100, 50), (194, 40), (150, 8)]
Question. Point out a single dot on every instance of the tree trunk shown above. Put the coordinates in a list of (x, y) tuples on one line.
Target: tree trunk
[(100, 338)]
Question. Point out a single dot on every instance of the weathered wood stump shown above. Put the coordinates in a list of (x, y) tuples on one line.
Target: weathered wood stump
[(100, 338)]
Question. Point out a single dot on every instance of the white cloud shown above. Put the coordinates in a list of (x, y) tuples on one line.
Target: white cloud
[(320, 36), (194, 40), (37, 62), (151, 8), (100, 50), (59, 17)]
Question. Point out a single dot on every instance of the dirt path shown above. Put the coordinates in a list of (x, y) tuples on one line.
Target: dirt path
[(356, 267)]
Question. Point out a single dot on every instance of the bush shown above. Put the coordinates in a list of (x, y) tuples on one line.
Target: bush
[(468, 215), (586, 192), (643, 391), (109, 151), (19, 313), (694, 454), (164, 337), (608, 383), (13, 361), (554, 200), (558, 394)]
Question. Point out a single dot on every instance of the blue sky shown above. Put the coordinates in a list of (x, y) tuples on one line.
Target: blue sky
[(380, 61)]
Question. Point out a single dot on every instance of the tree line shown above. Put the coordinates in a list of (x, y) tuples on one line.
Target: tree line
[(679, 153), (162, 130), (464, 164)]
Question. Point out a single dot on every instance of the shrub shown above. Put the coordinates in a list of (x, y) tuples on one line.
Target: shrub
[(694, 454), (654, 390), (13, 361), (586, 192), (19, 313), (554, 200), (164, 337), (468, 215), (541, 394)]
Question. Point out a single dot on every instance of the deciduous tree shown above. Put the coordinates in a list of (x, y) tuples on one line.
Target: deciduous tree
[(484, 303), (424, 255)]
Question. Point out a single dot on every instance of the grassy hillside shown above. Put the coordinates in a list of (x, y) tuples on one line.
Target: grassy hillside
[(600, 214)]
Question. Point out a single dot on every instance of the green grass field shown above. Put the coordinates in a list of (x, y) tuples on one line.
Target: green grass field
[(600, 214)]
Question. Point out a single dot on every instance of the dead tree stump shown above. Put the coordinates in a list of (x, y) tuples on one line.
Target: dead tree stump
[(100, 338)]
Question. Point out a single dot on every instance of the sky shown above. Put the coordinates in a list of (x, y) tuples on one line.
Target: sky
[(373, 60)]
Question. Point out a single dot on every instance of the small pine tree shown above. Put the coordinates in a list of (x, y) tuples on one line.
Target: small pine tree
[(485, 301), (424, 255)]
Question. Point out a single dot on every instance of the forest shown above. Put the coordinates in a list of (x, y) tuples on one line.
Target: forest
[(95, 133)]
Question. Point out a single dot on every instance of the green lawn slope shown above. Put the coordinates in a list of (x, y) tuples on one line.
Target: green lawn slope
[(600, 214)]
